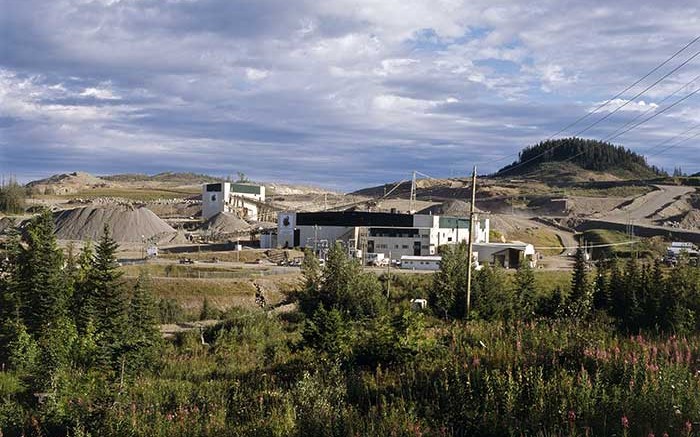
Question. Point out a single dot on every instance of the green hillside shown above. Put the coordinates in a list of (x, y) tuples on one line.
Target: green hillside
[(591, 155)]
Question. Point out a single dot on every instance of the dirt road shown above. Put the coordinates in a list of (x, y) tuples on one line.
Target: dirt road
[(642, 209)]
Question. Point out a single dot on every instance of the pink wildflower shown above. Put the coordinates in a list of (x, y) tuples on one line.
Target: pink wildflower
[(625, 422)]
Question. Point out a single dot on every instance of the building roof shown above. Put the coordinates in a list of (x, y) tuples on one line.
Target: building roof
[(421, 258)]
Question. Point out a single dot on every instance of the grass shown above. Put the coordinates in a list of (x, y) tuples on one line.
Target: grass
[(135, 193), (539, 238), (193, 271), (230, 255), (647, 247), (615, 191)]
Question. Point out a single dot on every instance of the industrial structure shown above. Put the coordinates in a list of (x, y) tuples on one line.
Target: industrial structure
[(244, 199), (508, 255), (362, 233)]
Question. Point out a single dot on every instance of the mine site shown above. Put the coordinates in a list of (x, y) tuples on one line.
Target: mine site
[(189, 226), (415, 218)]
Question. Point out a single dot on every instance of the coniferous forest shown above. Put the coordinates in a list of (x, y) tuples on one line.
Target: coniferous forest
[(588, 154), (615, 351)]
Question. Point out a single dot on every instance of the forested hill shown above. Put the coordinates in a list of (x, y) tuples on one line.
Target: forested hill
[(590, 155)]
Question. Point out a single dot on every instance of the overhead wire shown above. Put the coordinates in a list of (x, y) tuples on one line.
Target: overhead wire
[(599, 107)]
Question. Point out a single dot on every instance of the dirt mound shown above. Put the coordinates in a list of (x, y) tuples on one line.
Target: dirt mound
[(226, 223), (126, 223), (67, 183), (691, 220), (452, 207)]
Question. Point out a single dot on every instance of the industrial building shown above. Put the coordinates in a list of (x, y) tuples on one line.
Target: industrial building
[(508, 255), (394, 235), (242, 198)]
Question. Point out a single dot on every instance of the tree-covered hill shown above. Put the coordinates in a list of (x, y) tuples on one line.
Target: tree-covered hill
[(592, 155)]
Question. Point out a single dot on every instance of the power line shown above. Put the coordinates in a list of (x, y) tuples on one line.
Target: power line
[(609, 114), (656, 114), (651, 108), (616, 110), (624, 243), (604, 104), (599, 107)]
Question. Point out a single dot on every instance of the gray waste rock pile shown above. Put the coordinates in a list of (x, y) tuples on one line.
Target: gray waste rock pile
[(126, 223), (226, 223)]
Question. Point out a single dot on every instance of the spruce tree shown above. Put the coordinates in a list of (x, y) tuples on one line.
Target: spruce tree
[(84, 290), (111, 301), (144, 335), (525, 290), (580, 299), (492, 296), (42, 287), (601, 291)]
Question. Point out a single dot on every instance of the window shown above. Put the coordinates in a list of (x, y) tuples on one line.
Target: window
[(405, 246), (449, 238)]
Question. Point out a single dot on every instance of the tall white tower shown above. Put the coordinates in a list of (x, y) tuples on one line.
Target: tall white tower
[(215, 199)]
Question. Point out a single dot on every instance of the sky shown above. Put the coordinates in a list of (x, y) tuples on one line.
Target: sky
[(336, 93)]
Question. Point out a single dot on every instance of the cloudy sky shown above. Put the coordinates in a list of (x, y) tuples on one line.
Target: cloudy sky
[(340, 93)]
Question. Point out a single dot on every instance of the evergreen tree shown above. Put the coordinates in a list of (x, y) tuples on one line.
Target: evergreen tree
[(111, 302), (326, 331), (525, 290), (632, 286), (144, 335), (580, 299), (492, 296), (618, 295), (601, 292), (42, 286), (84, 289)]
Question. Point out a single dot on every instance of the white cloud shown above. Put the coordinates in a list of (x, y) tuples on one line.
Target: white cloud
[(253, 74), (99, 93), (331, 79)]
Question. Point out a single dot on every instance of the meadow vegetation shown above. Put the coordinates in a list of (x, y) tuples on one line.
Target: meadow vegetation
[(610, 351)]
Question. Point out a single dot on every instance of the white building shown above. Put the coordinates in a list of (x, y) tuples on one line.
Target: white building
[(244, 199), (508, 255), (377, 232), (421, 262)]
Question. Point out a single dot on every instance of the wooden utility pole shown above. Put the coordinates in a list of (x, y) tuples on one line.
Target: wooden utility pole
[(470, 244)]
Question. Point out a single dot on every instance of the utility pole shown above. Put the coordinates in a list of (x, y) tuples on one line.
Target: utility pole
[(412, 202), (470, 244), (388, 277)]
